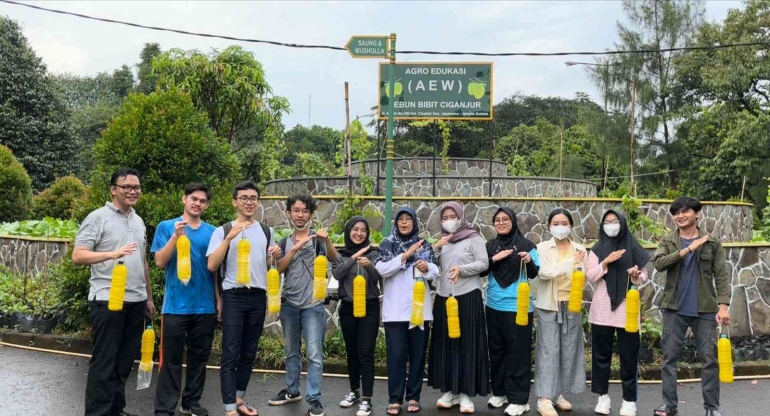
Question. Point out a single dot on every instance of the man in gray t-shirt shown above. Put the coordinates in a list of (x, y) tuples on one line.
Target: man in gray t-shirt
[(110, 235), (302, 314)]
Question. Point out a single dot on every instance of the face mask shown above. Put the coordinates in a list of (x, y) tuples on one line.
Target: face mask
[(451, 225), (303, 228), (612, 230), (560, 232)]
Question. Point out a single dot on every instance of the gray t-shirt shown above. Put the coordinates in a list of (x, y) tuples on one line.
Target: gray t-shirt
[(298, 278), (687, 293), (256, 237), (472, 258), (107, 229)]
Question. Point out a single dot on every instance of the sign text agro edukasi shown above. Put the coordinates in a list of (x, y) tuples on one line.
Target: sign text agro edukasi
[(456, 91)]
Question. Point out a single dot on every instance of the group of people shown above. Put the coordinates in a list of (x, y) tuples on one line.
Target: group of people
[(493, 354)]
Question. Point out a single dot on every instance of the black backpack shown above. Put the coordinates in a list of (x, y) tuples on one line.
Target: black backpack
[(227, 227)]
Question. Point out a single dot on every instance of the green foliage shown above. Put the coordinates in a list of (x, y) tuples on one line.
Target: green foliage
[(349, 209), (15, 187), (88, 122), (71, 283), (316, 139), (636, 220), (33, 117), (25, 294), (229, 86), (311, 164), (81, 91), (145, 76), (61, 199), (164, 137), (765, 230), (47, 227)]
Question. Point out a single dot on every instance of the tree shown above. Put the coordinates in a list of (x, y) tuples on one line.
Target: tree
[(316, 139), (725, 103), (15, 188), (147, 79), (33, 117), (661, 24), (167, 139), (84, 91), (229, 86)]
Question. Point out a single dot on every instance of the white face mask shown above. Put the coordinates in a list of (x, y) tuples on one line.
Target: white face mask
[(560, 232), (612, 230), (451, 225)]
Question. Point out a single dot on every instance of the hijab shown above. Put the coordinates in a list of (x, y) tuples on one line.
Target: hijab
[(635, 255), (508, 270), (397, 244), (352, 248), (466, 230)]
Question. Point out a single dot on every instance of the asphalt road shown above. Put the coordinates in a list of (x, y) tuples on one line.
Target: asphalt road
[(35, 383)]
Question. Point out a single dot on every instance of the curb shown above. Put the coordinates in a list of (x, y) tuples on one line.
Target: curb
[(78, 345)]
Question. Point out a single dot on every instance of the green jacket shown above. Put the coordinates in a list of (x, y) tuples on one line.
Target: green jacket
[(713, 286)]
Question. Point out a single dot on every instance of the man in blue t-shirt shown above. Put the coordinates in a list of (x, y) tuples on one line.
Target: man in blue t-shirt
[(189, 307)]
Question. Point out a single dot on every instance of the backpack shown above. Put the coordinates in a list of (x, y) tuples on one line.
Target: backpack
[(319, 248), (227, 227)]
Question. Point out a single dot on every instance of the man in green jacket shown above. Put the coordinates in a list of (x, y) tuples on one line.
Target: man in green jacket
[(696, 295)]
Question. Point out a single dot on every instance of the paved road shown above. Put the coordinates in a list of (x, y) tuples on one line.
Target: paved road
[(51, 384)]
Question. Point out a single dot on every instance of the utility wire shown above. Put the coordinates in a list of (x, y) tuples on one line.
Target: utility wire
[(337, 48)]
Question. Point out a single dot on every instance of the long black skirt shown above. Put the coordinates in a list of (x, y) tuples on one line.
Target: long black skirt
[(460, 365)]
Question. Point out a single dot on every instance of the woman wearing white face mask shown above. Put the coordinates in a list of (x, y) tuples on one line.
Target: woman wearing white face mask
[(559, 363), (614, 260), (459, 367)]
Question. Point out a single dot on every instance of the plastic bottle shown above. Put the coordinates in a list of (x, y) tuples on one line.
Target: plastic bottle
[(118, 287), (576, 290), (359, 297), (183, 265)]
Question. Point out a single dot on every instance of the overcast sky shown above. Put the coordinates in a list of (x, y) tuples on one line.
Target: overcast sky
[(71, 44)]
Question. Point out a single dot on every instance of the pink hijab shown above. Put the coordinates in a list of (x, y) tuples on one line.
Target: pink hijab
[(466, 230)]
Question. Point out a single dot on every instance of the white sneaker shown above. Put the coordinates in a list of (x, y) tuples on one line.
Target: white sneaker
[(628, 409), (603, 405), (448, 400), (562, 404), (466, 405), (516, 409), (497, 401), (545, 408)]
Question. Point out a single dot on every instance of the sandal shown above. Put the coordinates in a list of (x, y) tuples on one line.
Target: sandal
[(394, 409), (664, 410), (414, 406), (252, 411)]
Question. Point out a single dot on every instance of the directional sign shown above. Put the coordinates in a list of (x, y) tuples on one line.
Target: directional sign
[(368, 47), (451, 91)]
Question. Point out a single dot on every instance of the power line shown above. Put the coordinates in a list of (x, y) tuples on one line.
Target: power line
[(337, 48), (638, 175)]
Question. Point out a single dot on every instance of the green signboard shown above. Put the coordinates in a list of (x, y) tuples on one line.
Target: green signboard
[(451, 91), (368, 46)]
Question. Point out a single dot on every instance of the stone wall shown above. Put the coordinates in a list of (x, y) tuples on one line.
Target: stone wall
[(726, 221), (423, 166), (444, 186), (30, 256)]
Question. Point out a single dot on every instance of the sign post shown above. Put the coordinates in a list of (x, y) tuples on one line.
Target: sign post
[(389, 146), (376, 47)]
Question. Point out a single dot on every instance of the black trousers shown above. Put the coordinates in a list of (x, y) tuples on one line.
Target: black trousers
[(197, 333), (243, 316), (117, 339), (360, 339), (405, 344), (601, 358), (510, 355)]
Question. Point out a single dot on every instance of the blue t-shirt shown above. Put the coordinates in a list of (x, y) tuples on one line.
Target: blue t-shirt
[(197, 297), (687, 294), (505, 299)]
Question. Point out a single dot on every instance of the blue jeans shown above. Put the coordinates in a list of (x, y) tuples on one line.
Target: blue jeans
[(309, 323)]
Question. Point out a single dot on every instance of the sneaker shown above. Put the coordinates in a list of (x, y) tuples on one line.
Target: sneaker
[(628, 408), (562, 404), (516, 409), (350, 399), (194, 411), (284, 397), (124, 413), (448, 400), (497, 402), (466, 405), (314, 408), (545, 408), (365, 408), (603, 405)]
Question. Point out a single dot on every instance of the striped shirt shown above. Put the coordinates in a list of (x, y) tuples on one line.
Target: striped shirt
[(601, 312)]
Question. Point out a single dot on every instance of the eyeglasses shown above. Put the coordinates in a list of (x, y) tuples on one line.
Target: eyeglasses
[(404, 220), (502, 221), (611, 222), (246, 199), (129, 188), (195, 199)]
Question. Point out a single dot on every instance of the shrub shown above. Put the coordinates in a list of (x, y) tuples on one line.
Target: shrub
[(71, 283), (60, 200), (15, 187)]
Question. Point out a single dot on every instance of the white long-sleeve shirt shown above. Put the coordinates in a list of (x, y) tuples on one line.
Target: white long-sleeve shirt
[(398, 284)]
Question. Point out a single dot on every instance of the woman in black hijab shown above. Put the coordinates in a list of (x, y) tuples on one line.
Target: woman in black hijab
[(616, 262), (360, 334), (510, 345)]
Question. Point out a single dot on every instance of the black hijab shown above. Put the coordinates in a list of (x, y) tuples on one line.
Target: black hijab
[(507, 270), (635, 255), (352, 248)]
